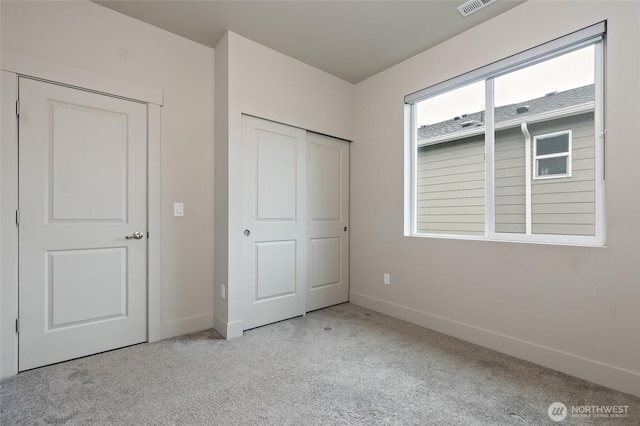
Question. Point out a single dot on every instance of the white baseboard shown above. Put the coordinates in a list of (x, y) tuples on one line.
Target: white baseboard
[(594, 371), (227, 330), (184, 326)]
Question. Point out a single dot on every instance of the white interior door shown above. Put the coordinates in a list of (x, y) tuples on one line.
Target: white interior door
[(328, 221), (82, 190), (274, 217)]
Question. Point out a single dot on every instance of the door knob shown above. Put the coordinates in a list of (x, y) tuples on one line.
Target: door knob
[(247, 232), (135, 236)]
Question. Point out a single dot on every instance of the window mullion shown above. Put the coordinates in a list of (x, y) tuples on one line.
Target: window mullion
[(411, 170), (490, 222), (600, 138)]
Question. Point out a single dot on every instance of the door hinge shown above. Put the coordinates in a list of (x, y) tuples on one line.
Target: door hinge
[(17, 217), (18, 107), (18, 325)]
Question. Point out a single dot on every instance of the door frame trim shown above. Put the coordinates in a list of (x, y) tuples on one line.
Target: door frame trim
[(29, 66), (26, 67)]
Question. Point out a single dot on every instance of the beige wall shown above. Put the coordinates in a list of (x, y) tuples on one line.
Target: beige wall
[(85, 37), (264, 83), (573, 309), (268, 84)]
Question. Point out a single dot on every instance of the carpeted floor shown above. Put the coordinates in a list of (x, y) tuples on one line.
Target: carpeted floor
[(343, 365)]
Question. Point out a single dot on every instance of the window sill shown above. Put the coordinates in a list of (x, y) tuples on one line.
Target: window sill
[(574, 241)]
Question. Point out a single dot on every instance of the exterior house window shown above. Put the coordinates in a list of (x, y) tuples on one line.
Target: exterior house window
[(552, 155), (512, 151)]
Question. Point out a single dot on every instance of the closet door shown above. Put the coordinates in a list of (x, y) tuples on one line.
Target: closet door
[(274, 159), (328, 221)]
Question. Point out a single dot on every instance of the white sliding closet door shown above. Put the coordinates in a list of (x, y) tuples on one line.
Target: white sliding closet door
[(328, 221), (274, 247)]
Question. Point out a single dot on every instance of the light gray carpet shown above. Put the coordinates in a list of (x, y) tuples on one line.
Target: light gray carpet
[(343, 365)]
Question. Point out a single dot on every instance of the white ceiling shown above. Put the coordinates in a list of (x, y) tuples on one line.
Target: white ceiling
[(349, 39)]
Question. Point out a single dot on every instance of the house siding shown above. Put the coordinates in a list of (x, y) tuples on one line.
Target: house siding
[(451, 187), (509, 179), (451, 184), (567, 205)]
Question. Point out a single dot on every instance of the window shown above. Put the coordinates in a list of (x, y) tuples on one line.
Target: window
[(552, 155), (512, 151)]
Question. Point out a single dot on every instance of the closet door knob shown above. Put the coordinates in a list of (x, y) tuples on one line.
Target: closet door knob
[(345, 229), (247, 232)]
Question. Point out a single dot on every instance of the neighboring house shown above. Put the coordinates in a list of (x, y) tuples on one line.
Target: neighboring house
[(561, 151)]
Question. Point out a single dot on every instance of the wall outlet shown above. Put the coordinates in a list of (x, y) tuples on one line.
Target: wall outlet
[(386, 278), (223, 291)]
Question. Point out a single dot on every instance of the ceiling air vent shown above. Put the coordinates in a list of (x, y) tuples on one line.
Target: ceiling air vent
[(473, 6)]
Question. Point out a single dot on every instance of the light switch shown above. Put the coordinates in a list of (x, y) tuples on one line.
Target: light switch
[(178, 209)]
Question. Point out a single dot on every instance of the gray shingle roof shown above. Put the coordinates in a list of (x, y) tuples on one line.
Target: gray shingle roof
[(551, 102)]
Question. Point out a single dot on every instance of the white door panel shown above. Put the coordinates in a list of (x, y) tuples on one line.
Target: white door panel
[(78, 134), (275, 269), (328, 253), (275, 172), (82, 173), (325, 174), (85, 286), (274, 217), (328, 221)]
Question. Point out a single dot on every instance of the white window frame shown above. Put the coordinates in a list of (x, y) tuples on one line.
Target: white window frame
[(593, 35), (567, 154)]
